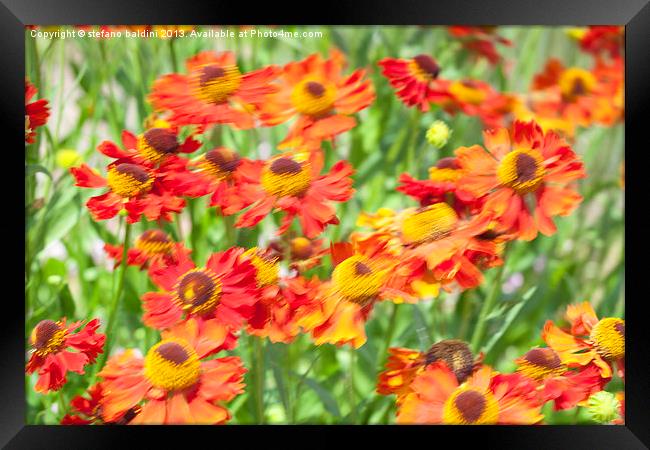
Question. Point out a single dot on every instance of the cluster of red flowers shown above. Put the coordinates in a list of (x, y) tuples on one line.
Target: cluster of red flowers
[(473, 203), (448, 385)]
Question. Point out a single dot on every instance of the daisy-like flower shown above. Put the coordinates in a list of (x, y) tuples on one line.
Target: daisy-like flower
[(481, 41), (150, 246), (416, 80), (52, 357), (529, 168), (478, 98), (224, 289), (440, 187), (137, 178), (602, 40), (485, 398), (174, 383), (275, 312), (441, 246), (579, 96), (322, 98), (589, 340), (36, 112), (214, 91), (293, 184), (362, 276), (87, 411), (405, 364), (556, 381)]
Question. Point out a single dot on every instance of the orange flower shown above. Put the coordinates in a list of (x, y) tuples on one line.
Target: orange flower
[(530, 165), (293, 184), (174, 383), (224, 289), (589, 340), (556, 381), (405, 364), (416, 80), (362, 275), (214, 91), (150, 246), (36, 113), (480, 41), (321, 97), (51, 356), (438, 245), (87, 411), (485, 398), (579, 96), (478, 98), (302, 253)]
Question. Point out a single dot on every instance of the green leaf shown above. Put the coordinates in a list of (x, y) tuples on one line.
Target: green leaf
[(510, 317), (328, 400)]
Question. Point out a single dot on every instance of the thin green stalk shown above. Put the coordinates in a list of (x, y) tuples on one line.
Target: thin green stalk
[(117, 295), (259, 379), (390, 331), (487, 307), (172, 54), (351, 396)]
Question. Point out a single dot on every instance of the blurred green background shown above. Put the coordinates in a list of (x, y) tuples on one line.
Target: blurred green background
[(97, 88)]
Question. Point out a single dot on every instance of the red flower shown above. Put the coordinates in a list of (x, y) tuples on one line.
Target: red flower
[(214, 91), (529, 165), (224, 289), (481, 41), (174, 383), (293, 184), (36, 113), (315, 90), (87, 411), (137, 178), (51, 356), (150, 246), (416, 80), (599, 40), (556, 381)]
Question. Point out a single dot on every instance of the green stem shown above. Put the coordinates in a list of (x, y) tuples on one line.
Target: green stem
[(488, 304), (390, 331), (259, 379), (172, 54), (117, 295), (351, 396)]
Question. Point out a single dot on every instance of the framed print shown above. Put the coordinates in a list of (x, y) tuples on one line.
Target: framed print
[(382, 215)]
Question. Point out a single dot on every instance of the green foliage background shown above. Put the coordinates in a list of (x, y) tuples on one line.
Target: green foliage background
[(97, 88)]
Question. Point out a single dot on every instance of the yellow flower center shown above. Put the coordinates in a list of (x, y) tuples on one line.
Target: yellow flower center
[(285, 176), (154, 242), (608, 336), (357, 280), (522, 170), (467, 406), (172, 365), (424, 68), (198, 291), (467, 92), (430, 223), (48, 337), (541, 363), (157, 143), (456, 354), (313, 98), (128, 180), (220, 162), (215, 84), (268, 269), (575, 82), (444, 175)]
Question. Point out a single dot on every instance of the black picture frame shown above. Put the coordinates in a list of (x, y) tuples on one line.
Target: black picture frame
[(634, 14)]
